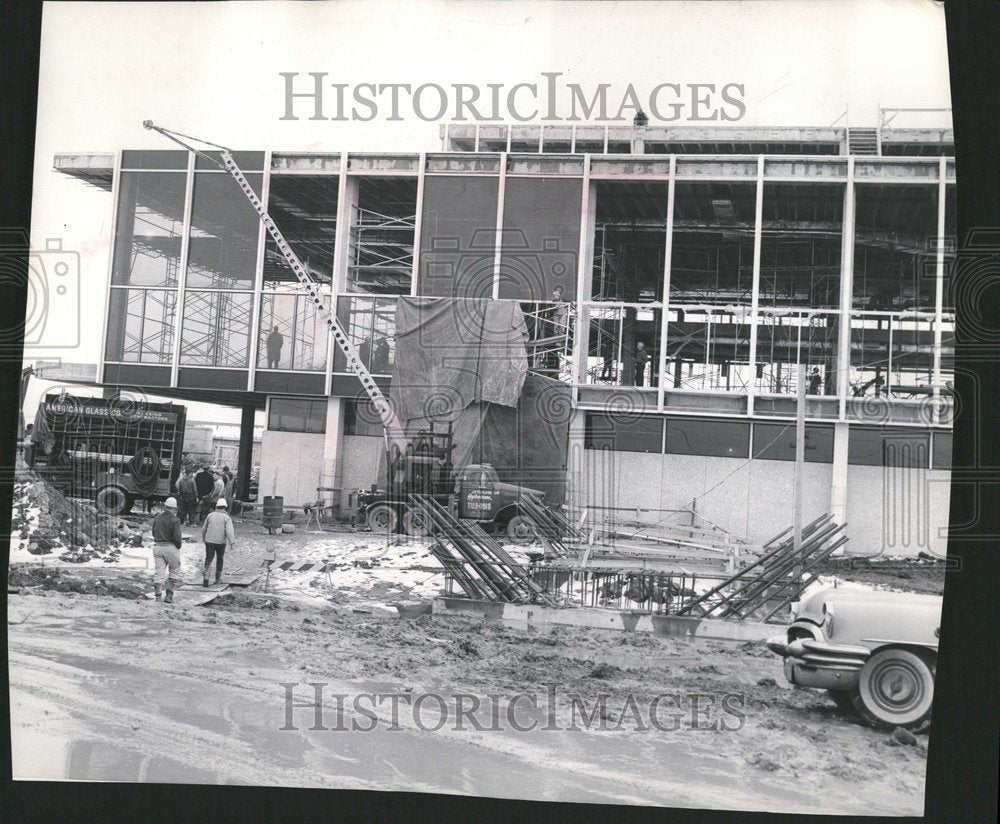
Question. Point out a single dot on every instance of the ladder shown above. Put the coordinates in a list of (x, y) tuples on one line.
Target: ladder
[(390, 422)]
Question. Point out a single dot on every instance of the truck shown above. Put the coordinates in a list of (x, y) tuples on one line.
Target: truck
[(113, 451), (471, 493)]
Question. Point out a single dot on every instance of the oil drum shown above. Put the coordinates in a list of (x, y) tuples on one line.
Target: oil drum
[(273, 511)]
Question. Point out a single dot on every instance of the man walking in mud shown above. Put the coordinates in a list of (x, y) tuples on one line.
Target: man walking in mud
[(217, 533), (167, 550)]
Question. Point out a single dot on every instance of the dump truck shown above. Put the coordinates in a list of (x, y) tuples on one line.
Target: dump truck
[(113, 451), (471, 493)]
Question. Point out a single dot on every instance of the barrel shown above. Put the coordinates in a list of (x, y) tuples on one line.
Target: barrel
[(273, 511)]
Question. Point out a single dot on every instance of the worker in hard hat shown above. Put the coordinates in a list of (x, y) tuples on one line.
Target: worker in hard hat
[(167, 550), (217, 532)]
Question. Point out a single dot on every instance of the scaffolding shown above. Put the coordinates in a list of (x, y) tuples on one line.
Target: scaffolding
[(382, 252)]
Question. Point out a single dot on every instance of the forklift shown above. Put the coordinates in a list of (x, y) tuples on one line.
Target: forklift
[(472, 493)]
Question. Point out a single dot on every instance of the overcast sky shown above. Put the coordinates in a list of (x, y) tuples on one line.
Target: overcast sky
[(211, 69)]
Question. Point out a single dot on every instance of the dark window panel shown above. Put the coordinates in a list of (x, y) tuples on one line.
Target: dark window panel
[(776, 442), (247, 161), (360, 418), (297, 415), (702, 436), (457, 236), (871, 446), (305, 209), (370, 323), (624, 434), (155, 159), (541, 237), (942, 450)]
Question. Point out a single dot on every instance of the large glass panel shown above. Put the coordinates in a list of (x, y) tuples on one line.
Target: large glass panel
[(712, 257), (382, 234), (776, 442), (215, 330), (292, 333), (787, 338), (874, 446), (800, 245), (895, 247), (703, 436), (624, 433), (630, 241), (370, 323), (457, 236), (541, 237), (942, 444), (550, 326), (149, 230), (297, 415), (892, 355), (141, 325), (623, 346), (305, 209), (222, 252), (708, 349)]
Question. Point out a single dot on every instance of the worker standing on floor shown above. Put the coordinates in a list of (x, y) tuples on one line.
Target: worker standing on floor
[(167, 550), (217, 532)]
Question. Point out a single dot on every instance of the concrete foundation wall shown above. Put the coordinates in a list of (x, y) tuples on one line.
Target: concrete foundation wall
[(362, 457), (298, 459), (898, 512)]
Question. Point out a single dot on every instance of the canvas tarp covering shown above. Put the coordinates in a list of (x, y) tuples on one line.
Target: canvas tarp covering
[(464, 361)]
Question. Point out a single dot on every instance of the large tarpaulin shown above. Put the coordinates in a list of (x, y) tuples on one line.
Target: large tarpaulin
[(464, 361), (452, 352)]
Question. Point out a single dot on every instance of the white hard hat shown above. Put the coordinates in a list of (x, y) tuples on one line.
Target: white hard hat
[(170, 503), (221, 503)]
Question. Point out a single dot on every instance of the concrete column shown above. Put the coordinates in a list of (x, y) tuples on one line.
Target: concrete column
[(838, 479), (576, 469), (333, 448), (244, 463)]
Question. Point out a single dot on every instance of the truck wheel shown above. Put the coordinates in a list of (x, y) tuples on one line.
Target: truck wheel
[(416, 524), (382, 518), (896, 690), (521, 530), (111, 500)]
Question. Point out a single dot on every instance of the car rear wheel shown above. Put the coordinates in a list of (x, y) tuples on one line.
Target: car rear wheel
[(896, 690), (416, 523), (382, 518), (521, 530)]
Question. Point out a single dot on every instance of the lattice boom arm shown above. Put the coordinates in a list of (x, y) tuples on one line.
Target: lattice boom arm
[(389, 420)]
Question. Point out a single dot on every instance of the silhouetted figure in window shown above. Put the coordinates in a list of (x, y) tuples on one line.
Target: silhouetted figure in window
[(274, 343), (815, 380), (639, 359)]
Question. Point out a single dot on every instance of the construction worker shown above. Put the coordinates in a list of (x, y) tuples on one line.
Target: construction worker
[(167, 550), (187, 509), (217, 532), (203, 482)]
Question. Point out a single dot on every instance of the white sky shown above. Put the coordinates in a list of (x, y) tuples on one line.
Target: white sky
[(211, 69)]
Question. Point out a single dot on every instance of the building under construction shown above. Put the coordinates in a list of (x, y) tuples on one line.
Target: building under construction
[(674, 278)]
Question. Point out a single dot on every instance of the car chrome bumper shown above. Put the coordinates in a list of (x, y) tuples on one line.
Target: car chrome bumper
[(820, 664)]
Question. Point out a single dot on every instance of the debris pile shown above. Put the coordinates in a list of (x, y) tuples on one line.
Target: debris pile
[(45, 523)]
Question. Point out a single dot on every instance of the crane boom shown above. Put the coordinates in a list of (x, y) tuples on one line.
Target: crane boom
[(390, 422)]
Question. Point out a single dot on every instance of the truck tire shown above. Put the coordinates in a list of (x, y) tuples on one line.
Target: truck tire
[(521, 530), (382, 518), (416, 524), (896, 689), (112, 500)]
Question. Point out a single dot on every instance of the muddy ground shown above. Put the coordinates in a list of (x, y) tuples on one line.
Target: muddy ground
[(108, 685)]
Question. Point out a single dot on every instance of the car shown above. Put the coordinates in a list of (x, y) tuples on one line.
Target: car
[(874, 651)]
